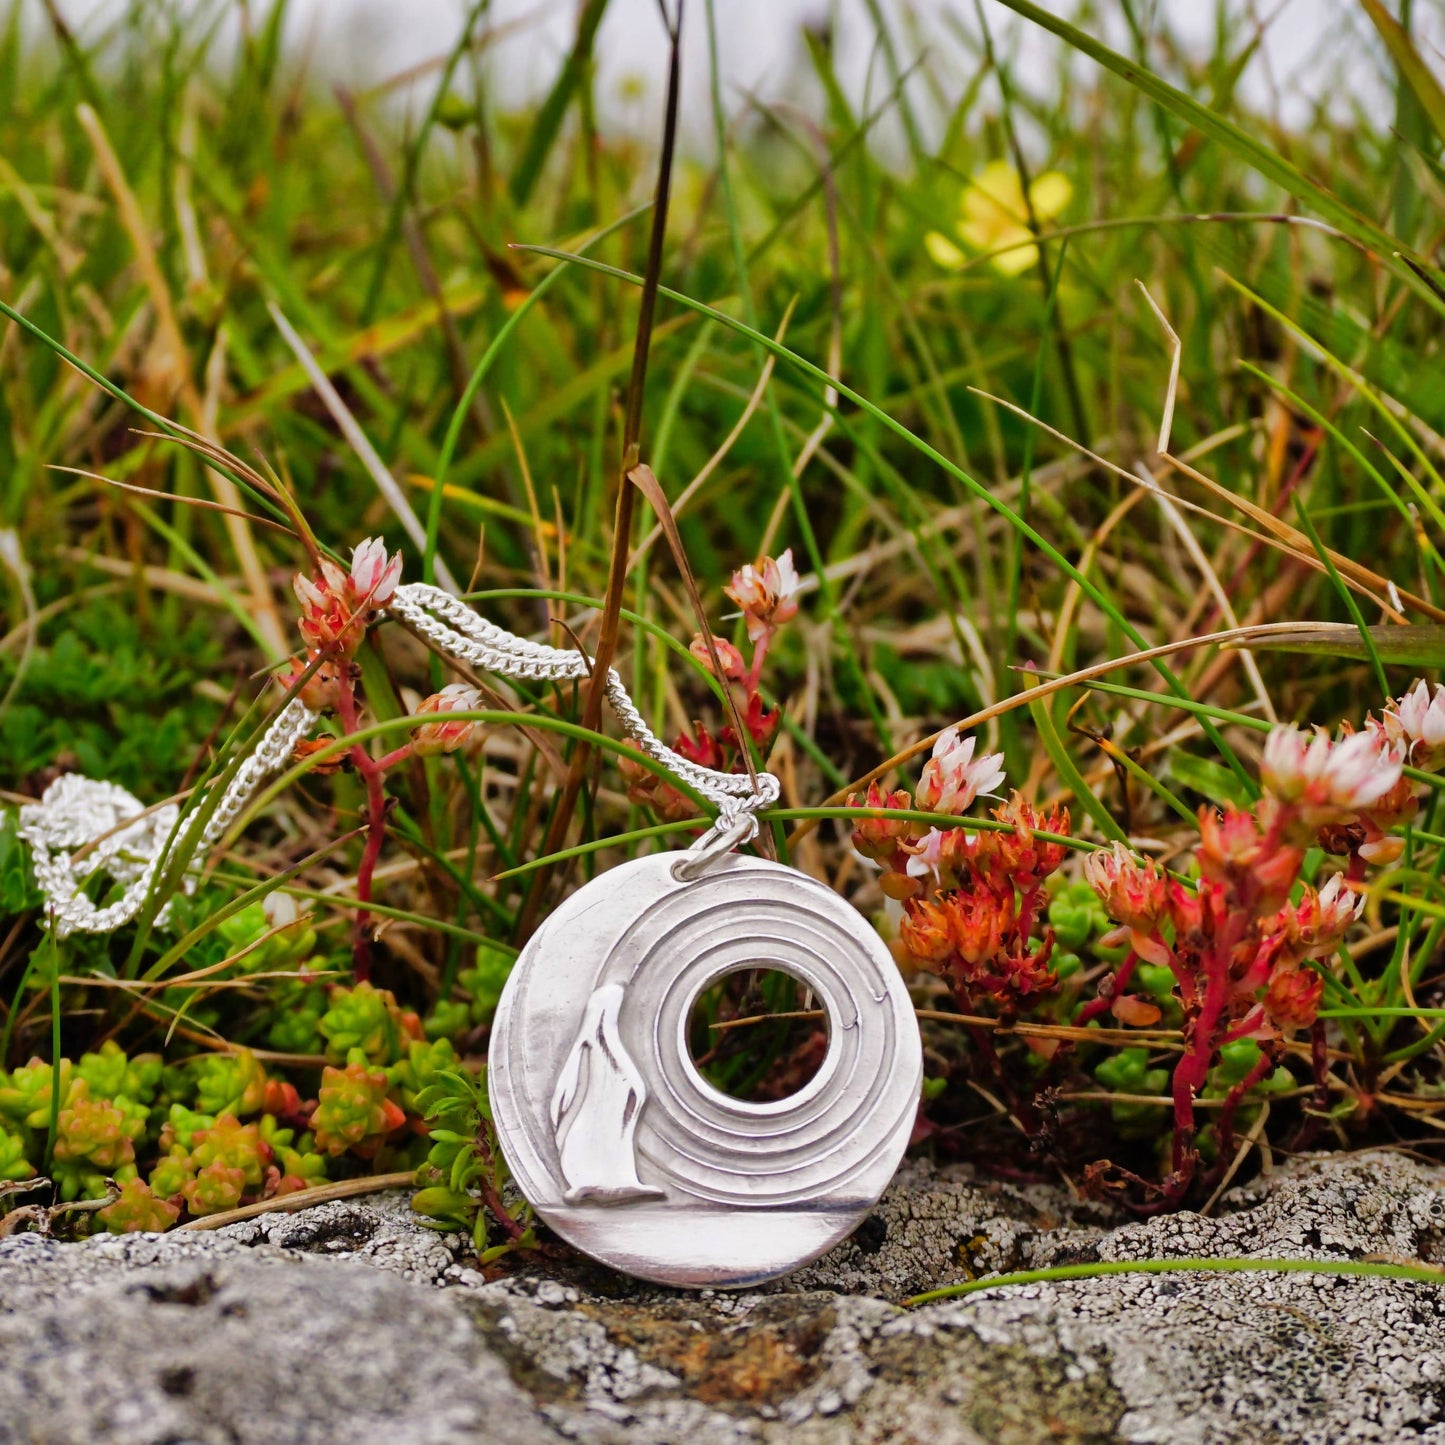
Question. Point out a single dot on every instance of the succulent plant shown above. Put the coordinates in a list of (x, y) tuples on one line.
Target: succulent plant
[(283, 949), (215, 1188), (296, 1027), (25, 1095), (13, 1163), (367, 1019), (230, 1083), (298, 1171), (111, 1073), (182, 1127), (137, 1208), (235, 1145), (1128, 1072), (449, 1019), (172, 1173), (485, 981), (422, 1066), (101, 1132), (352, 1110), (1076, 915)]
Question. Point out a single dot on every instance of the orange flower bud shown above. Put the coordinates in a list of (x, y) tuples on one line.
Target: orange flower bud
[(878, 838), (321, 691), (1233, 851), (447, 734), (734, 668), (1292, 997), (1025, 858), (925, 931), (979, 921)]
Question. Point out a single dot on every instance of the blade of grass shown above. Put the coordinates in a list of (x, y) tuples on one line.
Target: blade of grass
[(890, 423), (626, 495), (548, 121), (474, 382), (1357, 1268), (1389, 251), (1346, 596)]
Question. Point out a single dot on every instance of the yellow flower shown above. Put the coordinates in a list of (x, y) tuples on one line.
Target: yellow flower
[(993, 213)]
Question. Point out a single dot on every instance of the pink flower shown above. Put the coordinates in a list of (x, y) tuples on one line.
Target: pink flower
[(767, 594), (925, 856), (447, 735), (336, 608), (733, 666), (1322, 918), (1415, 724), (1326, 779), (1133, 893), (374, 575), (952, 778)]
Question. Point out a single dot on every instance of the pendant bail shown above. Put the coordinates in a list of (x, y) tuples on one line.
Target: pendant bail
[(735, 826)]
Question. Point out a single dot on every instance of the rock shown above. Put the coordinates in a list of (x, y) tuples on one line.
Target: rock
[(352, 1321), (219, 1344)]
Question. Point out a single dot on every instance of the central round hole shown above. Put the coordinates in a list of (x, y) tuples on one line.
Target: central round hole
[(757, 1035)]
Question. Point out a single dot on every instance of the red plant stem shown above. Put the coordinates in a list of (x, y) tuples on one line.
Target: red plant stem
[(372, 776), (1117, 983), (491, 1195), (1028, 902), (498, 1210), (1225, 1128), (755, 672), (1192, 1070)]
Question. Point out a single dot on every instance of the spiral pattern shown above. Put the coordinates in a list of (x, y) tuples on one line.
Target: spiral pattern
[(726, 1150), (662, 1174)]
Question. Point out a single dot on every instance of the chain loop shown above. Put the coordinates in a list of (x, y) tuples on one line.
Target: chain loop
[(464, 635), (131, 844)]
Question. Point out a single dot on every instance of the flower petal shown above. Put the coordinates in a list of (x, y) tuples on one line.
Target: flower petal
[(1050, 193), (943, 251), (1016, 261)]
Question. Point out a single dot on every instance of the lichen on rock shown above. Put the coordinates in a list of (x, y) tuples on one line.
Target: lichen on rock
[(351, 1318)]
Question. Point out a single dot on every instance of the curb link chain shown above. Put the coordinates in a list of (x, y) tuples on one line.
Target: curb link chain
[(132, 844)]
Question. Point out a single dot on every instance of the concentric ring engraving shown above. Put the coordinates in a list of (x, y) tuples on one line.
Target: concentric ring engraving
[(615, 1137)]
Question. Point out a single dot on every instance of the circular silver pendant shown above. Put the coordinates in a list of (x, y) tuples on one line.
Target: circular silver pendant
[(617, 1140)]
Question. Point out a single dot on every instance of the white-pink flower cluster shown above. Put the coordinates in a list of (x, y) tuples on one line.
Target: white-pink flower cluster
[(1415, 723), (374, 575), (336, 607), (1325, 778), (767, 593), (952, 778), (1320, 919)]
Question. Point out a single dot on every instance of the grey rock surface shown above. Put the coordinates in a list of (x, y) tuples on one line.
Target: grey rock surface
[(350, 1321)]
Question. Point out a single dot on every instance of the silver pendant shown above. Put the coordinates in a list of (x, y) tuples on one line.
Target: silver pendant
[(617, 1140)]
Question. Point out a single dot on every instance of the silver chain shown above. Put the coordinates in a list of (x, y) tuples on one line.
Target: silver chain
[(119, 837)]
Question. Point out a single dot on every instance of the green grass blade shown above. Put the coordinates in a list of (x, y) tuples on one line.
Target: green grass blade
[(1238, 141)]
